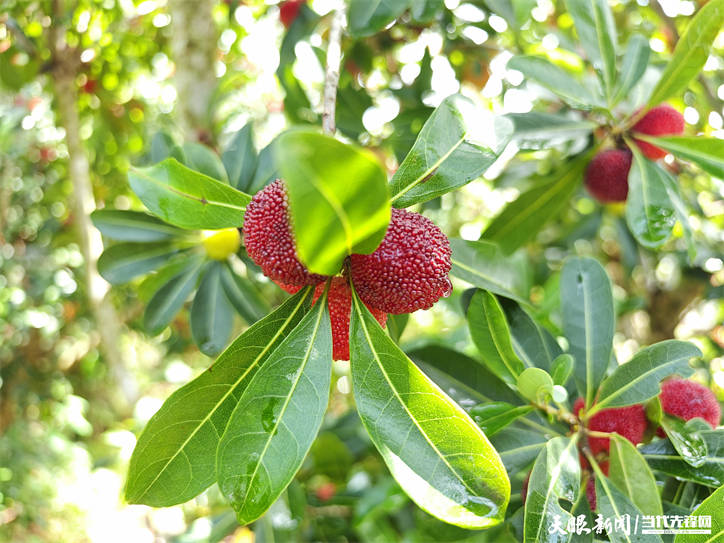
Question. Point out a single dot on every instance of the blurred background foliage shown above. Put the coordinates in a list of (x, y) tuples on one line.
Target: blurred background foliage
[(70, 408)]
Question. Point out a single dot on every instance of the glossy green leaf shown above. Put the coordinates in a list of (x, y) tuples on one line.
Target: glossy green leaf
[(691, 52), (136, 226), (597, 33), (588, 320), (535, 345), (535, 385), (437, 454), (538, 130), (687, 439), (464, 379), (638, 380), (523, 218), (562, 368), (163, 146), (629, 471), (456, 145), (707, 153), (663, 457), (396, 325), (243, 295), (337, 198), (650, 214), (365, 17), (556, 476), (493, 417), (518, 447), (633, 67), (176, 265), (482, 264), (125, 261), (169, 300), (277, 418), (491, 336), (211, 315), (266, 169), (188, 199), (174, 459), (202, 159), (240, 158), (555, 79), (711, 507)]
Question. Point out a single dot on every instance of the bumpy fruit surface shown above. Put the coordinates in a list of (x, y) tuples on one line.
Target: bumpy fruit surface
[(687, 399), (339, 301), (607, 175), (629, 422), (221, 244), (268, 238), (289, 11), (659, 121), (409, 270)]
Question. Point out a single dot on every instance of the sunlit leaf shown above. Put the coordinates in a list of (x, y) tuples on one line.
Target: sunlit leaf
[(629, 471), (125, 261), (211, 315)]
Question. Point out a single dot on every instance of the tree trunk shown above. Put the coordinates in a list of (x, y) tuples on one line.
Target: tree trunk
[(193, 45)]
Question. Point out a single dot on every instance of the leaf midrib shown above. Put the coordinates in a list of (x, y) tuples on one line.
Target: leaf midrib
[(227, 394)]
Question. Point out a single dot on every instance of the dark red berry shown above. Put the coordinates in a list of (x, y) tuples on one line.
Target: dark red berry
[(659, 121), (607, 175), (629, 422), (688, 399)]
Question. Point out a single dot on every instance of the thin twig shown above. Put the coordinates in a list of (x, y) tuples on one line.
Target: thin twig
[(331, 76)]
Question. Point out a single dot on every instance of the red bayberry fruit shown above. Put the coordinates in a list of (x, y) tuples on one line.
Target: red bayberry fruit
[(289, 11), (326, 492), (607, 175), (339, 302), (659, 121), (268, 238), (409, 270), (688, 399), (629, 422)]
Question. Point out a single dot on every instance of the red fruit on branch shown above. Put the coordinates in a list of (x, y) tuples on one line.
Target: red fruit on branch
[(268, 238), (607, 175), (289, 11), (688, 399), (629, 422), (409, 270), (659, 121)]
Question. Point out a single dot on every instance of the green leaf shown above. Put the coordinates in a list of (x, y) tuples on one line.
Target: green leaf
[(266, 169), (663, 457), (437, 454), (369, 16), (535, 345), (169, 300), (337, 198), (691, 52), (707, 153), (635, 61), (240, 158), (125, 261), (211, 313), (132, 226), (555, 79), (491, 336), (493, 417), (650, 214), (535, 385), (188, 199), (175, 266), (518, 447), (562, 368), (461, 377), (638, 380), (629, 471), (597, 32), (710, 507), (612, 503), (243, 295), (277, 418), (456, 145), (588, 320), (482, 264), (163, 146), (687, 439), (524, 217), (556, 476), (174, 459), (396, 325), (202, 159), (537, 130)]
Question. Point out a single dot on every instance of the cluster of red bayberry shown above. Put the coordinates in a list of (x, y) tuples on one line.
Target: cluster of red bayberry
[(407, 272), (679, 397), (607, 173)]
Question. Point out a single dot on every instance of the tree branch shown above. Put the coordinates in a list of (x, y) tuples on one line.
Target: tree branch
[(331, 76)]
